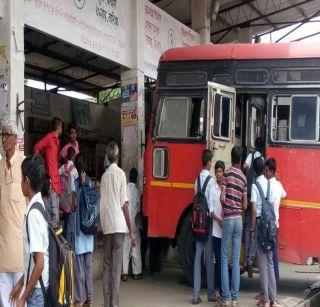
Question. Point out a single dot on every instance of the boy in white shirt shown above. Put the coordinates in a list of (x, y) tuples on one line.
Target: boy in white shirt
[(35, 238), (278, 193), (128, 250)]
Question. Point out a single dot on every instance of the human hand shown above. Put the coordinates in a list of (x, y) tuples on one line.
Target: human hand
[(133, 239), (219, 221), (15, 294), (21, 302)]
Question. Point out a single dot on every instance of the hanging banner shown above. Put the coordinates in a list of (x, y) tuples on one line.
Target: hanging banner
[(104, 27), (162, 32)]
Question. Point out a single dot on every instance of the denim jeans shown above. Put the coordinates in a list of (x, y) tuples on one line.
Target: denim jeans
[(36, 298), (200, 246), (216, 244), (231, 233), (276, 264)]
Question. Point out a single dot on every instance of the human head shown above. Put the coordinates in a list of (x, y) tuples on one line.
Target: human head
[(133, 175), (80, 163), (259, 144), (71, 153), (271, 168), (236, 154), (45, 191), (56, 125), (9, 135), (219, 169), (258, 166), (72, 131), (113, 152), (206, 158), (33, 175)]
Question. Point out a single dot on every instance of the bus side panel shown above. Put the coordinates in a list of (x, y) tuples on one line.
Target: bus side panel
[(165, 200), (299, 169)]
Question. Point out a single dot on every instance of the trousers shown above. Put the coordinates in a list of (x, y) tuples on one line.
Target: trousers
[(83, 278), (133, 253), (7, 282)]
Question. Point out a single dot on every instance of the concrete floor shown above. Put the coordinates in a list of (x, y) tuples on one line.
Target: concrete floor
[(169, 289)]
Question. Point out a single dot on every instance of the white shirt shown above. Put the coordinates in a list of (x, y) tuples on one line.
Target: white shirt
[(278, 192), (134, 203), (209, 193), (255, 195), (113, 196), (257, 154), (73, 176), (39, 240), (217, 209)]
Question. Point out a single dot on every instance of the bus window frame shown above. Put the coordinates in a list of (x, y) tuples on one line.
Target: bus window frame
[(289, 92), (293, 82), (212, 134), (199, 93), (251, 70), (164, 148)]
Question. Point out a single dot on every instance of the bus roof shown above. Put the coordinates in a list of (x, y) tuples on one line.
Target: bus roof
[(243, 52)]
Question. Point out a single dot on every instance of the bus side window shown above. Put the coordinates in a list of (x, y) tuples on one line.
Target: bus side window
[(222, 116)]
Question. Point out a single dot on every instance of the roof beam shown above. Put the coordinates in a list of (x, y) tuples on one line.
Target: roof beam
[(260, 14), (263, 16), (63, 58)]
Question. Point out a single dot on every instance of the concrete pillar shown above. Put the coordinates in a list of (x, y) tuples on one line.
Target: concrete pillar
[(245, 35), (132, 106), (200, 19), (12, 37)]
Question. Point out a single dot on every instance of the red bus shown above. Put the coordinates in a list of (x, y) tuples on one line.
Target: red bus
[(217, 96)]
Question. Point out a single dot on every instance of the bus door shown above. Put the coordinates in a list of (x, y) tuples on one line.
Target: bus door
[(221, 121), (256, 120)]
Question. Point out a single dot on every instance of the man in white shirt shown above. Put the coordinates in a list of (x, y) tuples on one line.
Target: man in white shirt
[(35, 238), (207, 245), (265, 259), (115, 222), (134, 209), (217, 222), (278, 193)]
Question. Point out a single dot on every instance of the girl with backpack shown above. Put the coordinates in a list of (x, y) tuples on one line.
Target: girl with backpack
[(83, 243)]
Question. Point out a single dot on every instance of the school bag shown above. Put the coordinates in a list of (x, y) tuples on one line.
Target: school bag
[(251, 175), (65, 182), (200, 212), (267, 224), (89, 208), (60, 292)]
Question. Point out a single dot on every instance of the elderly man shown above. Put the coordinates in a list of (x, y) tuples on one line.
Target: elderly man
[(12, 208), (115, 222)]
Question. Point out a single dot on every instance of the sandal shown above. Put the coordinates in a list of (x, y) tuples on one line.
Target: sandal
[(261, 303), (259, 297), (224, 303), (274, 304), (235, 303)]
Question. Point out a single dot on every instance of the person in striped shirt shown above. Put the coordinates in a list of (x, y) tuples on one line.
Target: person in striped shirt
[(233, 200)]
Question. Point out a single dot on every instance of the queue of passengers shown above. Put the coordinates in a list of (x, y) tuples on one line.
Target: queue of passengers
[(26, 183), (229, 197)]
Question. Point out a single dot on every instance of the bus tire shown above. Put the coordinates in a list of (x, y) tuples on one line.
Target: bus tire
[(187, 251)]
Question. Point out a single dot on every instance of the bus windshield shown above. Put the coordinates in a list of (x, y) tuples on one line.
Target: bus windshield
[(180, 117)]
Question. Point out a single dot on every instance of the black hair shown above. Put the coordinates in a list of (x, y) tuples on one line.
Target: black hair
[(80, 163), (133, 175), (236, 154), (45, 186), (70, 127), (272, 164), (33, 168), (220, 164), (258, 166), (71, 153), (206, 157), (258, 143), (56, 122)]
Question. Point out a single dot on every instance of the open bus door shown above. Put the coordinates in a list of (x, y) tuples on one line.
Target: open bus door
[(221, 121)]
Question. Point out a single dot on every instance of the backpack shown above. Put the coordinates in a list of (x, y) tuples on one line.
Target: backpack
[(251, 175), (267, 225), (88, 209), (200, 212), (65, 181), (61, 266)]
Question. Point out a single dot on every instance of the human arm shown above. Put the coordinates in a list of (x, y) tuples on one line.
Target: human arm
[(244, 200), (34, 277), (253, 218), (283, 192), (42, 144), (223, 191)]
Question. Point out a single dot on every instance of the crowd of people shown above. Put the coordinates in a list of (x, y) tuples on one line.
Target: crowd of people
[(38, 181), (238, 201)]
